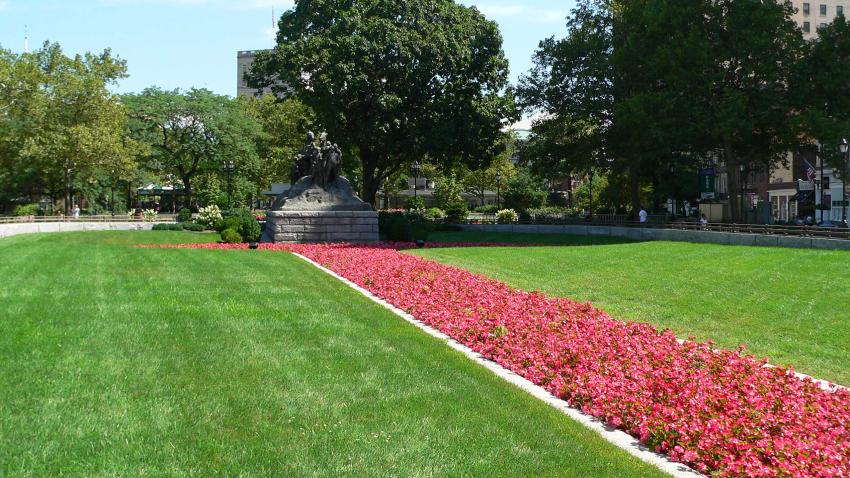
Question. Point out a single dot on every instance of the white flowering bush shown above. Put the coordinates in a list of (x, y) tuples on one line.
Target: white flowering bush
[(149, 215), (507, 216), (209, 215)]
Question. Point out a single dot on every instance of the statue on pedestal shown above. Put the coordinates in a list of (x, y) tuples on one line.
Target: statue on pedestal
[(316, 183)]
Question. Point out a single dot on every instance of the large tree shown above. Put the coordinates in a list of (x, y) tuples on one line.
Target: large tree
[(62, 126), (194, 132), (394, 81), (636, 86)]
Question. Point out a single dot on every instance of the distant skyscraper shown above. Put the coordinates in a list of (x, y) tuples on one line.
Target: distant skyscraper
[(244, 61)]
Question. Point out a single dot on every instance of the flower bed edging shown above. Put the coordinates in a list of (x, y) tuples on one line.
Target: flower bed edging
[(614, 436)]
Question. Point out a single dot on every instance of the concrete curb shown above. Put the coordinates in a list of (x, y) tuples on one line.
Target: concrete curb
[(616, 437)]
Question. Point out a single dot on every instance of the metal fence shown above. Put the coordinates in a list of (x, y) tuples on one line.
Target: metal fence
[(104, 218), (660, 222)]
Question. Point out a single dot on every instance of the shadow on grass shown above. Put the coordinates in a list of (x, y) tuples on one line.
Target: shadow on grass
[(526, 238)]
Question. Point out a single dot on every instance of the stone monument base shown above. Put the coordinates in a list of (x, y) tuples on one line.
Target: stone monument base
[(321, 226)]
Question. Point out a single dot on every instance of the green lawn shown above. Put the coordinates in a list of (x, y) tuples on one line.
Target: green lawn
[(791, 305), (116, 361)]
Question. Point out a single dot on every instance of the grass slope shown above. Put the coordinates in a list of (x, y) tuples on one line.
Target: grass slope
[(117, 361), (791, 305)]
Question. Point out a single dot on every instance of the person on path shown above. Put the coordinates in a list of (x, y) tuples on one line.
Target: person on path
[(76, 211), (642, 216)]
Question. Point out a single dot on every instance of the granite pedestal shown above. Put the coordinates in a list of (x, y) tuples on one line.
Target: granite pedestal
[(321, 226)]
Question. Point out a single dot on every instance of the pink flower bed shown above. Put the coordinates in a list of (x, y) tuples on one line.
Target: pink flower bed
[(720, 412)]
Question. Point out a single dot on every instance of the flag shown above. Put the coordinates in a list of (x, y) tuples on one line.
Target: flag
[(810, 170)]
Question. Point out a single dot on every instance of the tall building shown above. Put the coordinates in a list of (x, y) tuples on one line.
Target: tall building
[(244, 61), (812, 15)]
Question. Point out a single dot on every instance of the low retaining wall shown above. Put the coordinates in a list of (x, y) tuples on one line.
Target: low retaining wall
[(7, 230), (651, 234)]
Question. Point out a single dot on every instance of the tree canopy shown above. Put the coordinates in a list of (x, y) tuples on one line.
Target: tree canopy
[(395, 81)]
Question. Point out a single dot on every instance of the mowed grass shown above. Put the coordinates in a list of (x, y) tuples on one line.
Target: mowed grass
[(790, 305), (117, 361)]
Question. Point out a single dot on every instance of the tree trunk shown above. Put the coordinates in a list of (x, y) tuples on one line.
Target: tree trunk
[(371, 179), (634, 191), (733, 176), (187, 190), (67, 198)]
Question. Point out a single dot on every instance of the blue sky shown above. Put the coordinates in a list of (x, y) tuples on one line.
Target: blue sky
[(193, 43)]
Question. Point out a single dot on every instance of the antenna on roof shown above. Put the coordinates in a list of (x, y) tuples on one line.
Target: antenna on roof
[(273, 19), (26, 40)]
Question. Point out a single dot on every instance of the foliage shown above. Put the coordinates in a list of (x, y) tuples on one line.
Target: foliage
[(507, 216), (402, 226), (209, 216), (524, 192), (231, 236), (390, 89), (61, 128), (636, 83), (494, 176), (185, 215), (284, 126), (149, 215), (243, 222), (195, 132), (447, 191), (434, 213), (27, 210), (414, 203), (456, 212), (488, 209)]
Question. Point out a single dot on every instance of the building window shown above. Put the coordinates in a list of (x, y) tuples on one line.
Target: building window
[(807, 27), (839, 10), (821, 25), (806, 9), (822, 10)]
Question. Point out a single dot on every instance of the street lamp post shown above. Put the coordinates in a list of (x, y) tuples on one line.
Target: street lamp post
[(228, 167), (590, 189), (498, 190), (844, 147), (416, 169)]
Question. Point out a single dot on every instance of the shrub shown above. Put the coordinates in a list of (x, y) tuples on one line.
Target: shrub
[(189, 226), (488, 209), (185, 215), (524, 193), (230, 236), (26, 210), (434, 214), (456, 212), (243, 222), (447, 191), (209, 216), (550, 214), (401, 226), (507, 216), (414, 203), (149, 215), (160, 227)]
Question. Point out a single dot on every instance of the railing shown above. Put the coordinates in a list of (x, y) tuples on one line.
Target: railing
[(658, 222), (103, 218)]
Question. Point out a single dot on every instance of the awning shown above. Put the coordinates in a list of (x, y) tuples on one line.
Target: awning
[(803, 196)]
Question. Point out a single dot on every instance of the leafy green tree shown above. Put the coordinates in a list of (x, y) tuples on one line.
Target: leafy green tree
[(62, 127), (447, 191), (498, 173), (824, 79), (395, 81), (284, 126), (635, 84), (197, 132), (524, 192)]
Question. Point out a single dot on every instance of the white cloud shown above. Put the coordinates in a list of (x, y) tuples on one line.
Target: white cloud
[(4, 5), (270, 33), (278, 5), (550, 16), (500, 10)]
